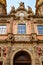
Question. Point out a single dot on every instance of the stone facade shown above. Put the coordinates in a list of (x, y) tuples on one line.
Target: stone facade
[(13, 45)]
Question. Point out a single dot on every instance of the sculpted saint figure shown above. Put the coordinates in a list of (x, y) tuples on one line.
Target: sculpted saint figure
[(3, 2), (40, 1)]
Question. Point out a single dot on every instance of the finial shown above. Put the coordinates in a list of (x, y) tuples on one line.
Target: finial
[(12, 8), (21, 5), (30, 10)]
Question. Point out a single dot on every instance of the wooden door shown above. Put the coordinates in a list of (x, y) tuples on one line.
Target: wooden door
[(22, 58)]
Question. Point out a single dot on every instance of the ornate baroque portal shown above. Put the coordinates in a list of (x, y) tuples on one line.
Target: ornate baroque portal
[(21, 34)]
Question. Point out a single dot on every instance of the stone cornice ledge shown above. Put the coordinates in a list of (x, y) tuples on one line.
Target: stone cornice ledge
[(13, 41)]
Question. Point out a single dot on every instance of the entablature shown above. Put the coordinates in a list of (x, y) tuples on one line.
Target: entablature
[(19, 38)]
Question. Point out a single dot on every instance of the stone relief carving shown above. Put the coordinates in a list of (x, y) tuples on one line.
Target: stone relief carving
[(41, 10)]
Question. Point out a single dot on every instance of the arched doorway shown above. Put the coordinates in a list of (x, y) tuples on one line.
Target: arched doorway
[(22, 58)]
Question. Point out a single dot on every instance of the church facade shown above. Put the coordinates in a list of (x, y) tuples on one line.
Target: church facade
[(21, 35)]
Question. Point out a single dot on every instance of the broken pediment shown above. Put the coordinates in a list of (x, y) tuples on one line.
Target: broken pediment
[(21, 10)]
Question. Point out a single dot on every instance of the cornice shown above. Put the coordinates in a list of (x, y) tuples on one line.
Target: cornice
[(11, 39), (40, 41), (4, 21), (18, 38), (13, 42), (17, 18)]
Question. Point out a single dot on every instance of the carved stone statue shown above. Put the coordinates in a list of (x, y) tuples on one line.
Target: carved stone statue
[(38, 2), (3, 2), (39, 7), (2, 7)]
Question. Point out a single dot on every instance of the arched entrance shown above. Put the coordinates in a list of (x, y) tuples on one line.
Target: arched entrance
[(22, 58)]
